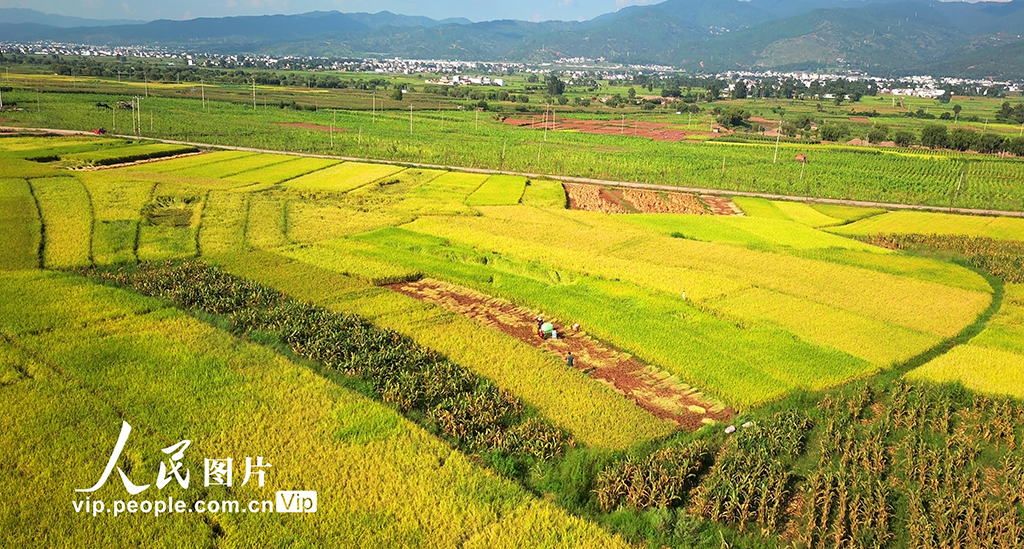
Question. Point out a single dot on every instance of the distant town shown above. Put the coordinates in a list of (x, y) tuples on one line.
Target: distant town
[(493, 73)]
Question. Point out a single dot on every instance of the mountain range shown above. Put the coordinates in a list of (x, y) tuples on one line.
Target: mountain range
[(877, 36)]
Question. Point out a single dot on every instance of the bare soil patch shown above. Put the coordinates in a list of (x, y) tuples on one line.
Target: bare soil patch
[(659, 131), (654, 390), (595, 198), (720, 205)]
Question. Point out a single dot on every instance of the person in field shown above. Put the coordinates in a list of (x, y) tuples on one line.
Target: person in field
[(570, 360)]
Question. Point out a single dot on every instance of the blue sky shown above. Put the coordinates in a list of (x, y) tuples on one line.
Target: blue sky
[(475, 10)]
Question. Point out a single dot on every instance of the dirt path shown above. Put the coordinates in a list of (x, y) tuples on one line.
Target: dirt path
[(572, 179), (656, 391)]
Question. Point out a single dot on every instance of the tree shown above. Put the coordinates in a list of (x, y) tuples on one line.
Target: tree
[(532, 79), (961, 139), (714, 90), (732, 117), (948, 96), (631, 94), (555, 85), (740, 90), (878, 133), (956, 110), (832, 131), (934, 136), (397, 94), (1016, 146), (904, 138), (990, 143)]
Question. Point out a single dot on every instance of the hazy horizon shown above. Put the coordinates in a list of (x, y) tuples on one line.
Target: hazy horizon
[(146, 10)]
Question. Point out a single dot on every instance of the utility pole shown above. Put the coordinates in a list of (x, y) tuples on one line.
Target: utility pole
[(374, 107), (333, 122), (253, 93), (410, 119), (622, 125), (202, 85), (505, 143), (778, 137)]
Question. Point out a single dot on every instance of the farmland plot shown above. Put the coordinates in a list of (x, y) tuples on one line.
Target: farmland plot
[(192, 162), (223, 225), (67, 221), (991, 362), (499, 190), (544, 193), (906, 222), (594, 414), (169, 223), (117, 204), (226, 168), (266, 222), (19, 225), (265, 178), (342, 177), (148, 365), (443, 195)]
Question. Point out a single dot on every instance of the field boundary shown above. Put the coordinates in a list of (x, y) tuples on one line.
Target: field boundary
[(565, 178)]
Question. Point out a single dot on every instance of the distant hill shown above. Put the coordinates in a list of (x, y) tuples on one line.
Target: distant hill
[(878, 36), (22, 15)]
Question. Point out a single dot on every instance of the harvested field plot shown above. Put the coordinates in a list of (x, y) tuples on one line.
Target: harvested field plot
[(657, 202), (593, 198), (660, 393)]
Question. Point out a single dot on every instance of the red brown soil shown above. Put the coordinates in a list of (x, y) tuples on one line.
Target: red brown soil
[(310, 126), (656, 391), (721, 205), (595, 198), (859, 119), (592, 198), (659, 131)]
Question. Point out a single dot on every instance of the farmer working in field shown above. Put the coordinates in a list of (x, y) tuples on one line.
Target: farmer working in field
[(570, 360)]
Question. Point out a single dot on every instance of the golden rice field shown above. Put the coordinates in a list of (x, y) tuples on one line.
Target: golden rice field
[(768, 308), (79, 358), (991, 362)]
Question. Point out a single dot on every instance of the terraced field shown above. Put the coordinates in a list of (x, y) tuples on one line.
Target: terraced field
[(687, 320)]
